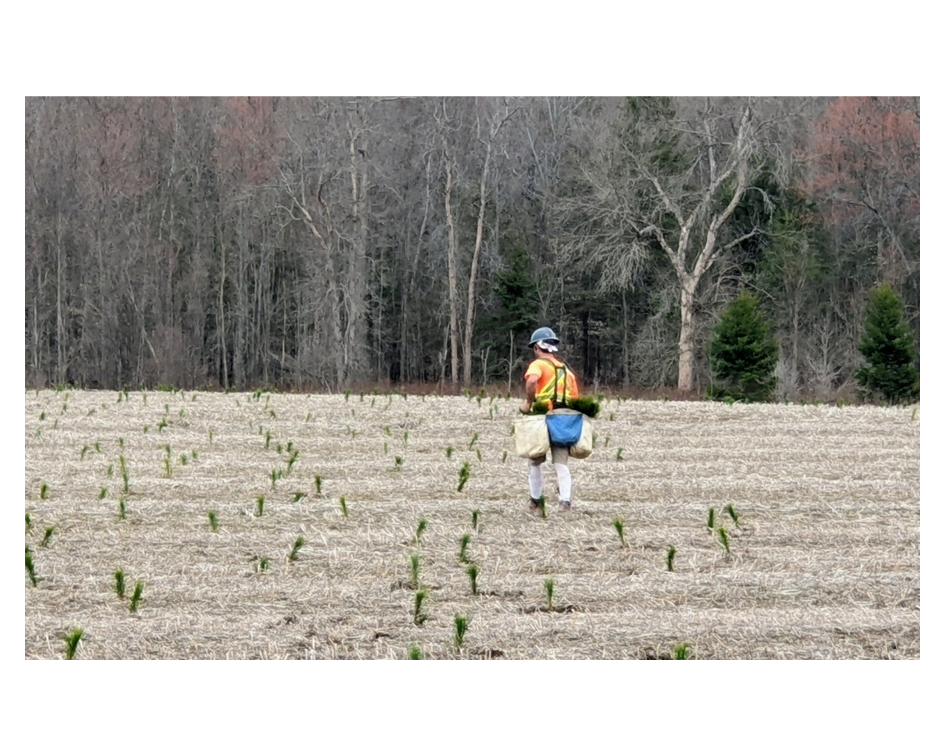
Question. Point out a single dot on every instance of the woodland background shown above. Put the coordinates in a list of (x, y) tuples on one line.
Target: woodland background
[(313, 243)]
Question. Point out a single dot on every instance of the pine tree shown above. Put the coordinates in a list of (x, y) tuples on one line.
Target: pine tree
[(742, 353), (889, 349)]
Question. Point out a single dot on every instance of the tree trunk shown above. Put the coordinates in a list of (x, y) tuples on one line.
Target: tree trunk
[(451, 277), (686, 300)]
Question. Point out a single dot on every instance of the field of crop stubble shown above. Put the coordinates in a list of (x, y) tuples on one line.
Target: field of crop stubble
[(823, 562)]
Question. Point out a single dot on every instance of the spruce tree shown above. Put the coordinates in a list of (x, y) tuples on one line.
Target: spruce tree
[(888, 347), (742, 353)]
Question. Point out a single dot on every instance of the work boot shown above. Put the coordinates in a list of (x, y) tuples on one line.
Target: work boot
[(564, 506)]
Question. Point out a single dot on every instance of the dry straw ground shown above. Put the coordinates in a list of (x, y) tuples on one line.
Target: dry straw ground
[(824, 562)]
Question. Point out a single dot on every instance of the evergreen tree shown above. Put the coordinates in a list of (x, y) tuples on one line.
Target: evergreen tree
[(889, 349), (742, 353)]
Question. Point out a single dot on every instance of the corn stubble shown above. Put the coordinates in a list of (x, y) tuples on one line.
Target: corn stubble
[(351, 593)]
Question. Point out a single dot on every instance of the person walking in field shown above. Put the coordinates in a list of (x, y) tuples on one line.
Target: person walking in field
[(550, 381)]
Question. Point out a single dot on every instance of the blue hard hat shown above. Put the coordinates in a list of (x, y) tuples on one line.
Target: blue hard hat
[(543, 334)]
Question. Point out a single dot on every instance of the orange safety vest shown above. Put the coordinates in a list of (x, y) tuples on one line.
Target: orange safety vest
[(557, 383)]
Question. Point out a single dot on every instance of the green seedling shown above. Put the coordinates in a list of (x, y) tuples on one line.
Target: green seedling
[(475, 520), (385, 447), (461, 625), (710, 523), (72, 639), (279, 448), (183, 459), (260, 505), (299, 543), (344, 507), (297, 497), (268, 439), (472, 443), (619, 454), (136, 597), (418, 616), (398, 462), (415, 571), (505, 454), (214, 521), (463, 544), (479, 454), (121, 509), (47, 536), (549, 593), (421, 526), (463, 476), (414, 654), (618, 526), (43, 491), (295, 456), (670, 557), (162, 424), (120, 583), (730, 509), (84, 451), (29, 522), (30, 567), (167, 466), (723, 539), (682, 652), (263, 564), (318, 485), (449, 451), (406, 435), (473, 572), (541, 507), (102, 493), (110, 471)]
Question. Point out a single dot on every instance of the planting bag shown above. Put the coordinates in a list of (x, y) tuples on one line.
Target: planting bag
[(531, 436), (585, 443), (564, 426)]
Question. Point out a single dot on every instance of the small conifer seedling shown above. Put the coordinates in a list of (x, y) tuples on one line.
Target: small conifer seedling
[(214, 522), (730, 509), (119, 583), (30, 567), (670, 557), (421, 526), (463, 476), (682, 652), (299, 543), (463, 544), (473, 572), (475, 520), (47, 536), (43, 491), (723, 539), (260, 505), (461, 625), (344, 507), (72, 639), (121, 509), (414, 654), (136, 597), (549, 593), (710, 523), (29, 522), (415, 571), (618, 526), (418, 616)]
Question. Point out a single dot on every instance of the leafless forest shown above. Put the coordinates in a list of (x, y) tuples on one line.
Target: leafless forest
[(327, 243)]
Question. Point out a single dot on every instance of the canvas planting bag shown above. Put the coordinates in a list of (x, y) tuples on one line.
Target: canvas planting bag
[(531, 436), (585, 443)]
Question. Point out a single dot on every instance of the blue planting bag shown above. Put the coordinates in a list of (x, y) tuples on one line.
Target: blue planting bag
[(565, 430)]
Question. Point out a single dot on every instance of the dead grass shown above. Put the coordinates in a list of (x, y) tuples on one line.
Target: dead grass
[(825, 564)]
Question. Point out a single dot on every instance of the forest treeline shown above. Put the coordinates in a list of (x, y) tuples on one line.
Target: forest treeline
[(304, 243)]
